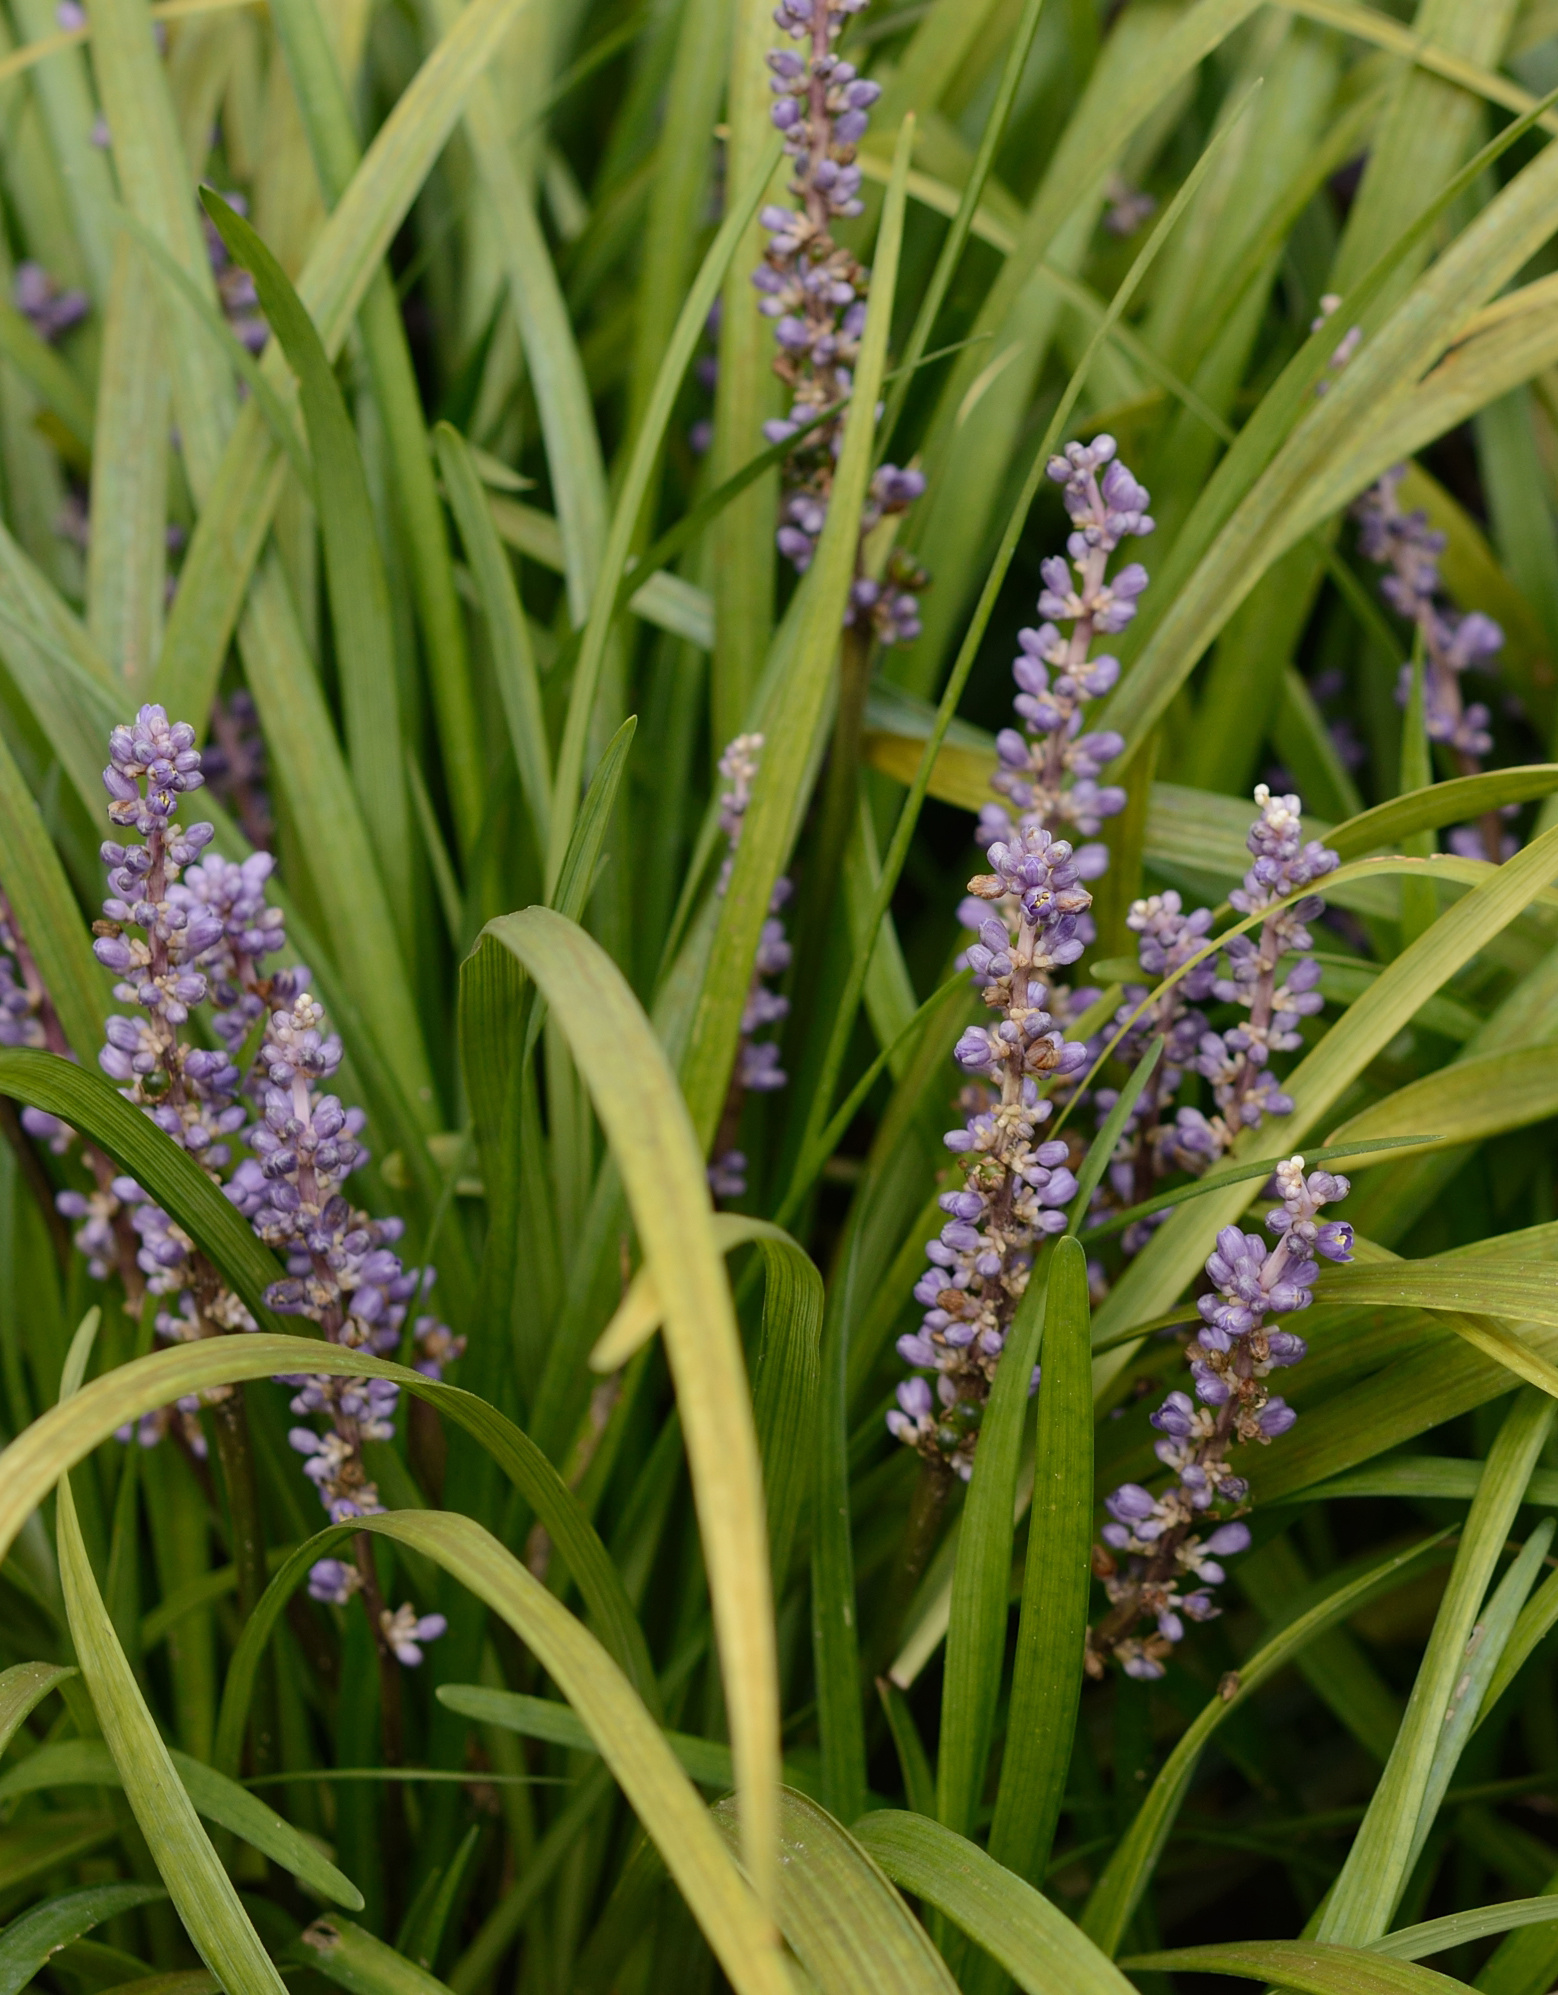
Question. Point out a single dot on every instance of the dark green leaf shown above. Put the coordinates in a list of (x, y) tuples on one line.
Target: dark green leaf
[(153, 1159), (1051, 1636), (1037, 1945), (28, 1941)]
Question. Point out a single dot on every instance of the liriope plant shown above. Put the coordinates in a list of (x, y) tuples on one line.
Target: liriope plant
[(777, 947)]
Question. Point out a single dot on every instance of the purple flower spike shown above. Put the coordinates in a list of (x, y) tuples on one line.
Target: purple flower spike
[(1153, 1544), (814, 291), (185, 929), (1404, 544)]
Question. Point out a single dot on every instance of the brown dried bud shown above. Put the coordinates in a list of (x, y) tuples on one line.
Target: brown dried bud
[(1228, 1686), (988, 886)]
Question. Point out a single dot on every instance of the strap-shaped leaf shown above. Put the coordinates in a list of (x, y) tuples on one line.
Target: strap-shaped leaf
[(1102, 1147), (354, 566), (149, 163), (660, 1161), (1241, 521), (1242, 1173), (152, 1158), (272, 406), (236, 515), (1536, 1619), (1363, 1900), (89, 1763), (981, 1580), (639, 471), (1437, 1935), (785, 1388), (127, 558), (1126, 1875), (1451, 802), (49, 916), (576, 879), (354, 1960), (1492, 1631), (200, 1888), (705, 1761), (29, 1940), (1467, 1294), (552, 358), (1305, 1966), (628, 1739), (1047, 1677), (47, 374), (1037, 1944), (641, 1312), (840, 1914), (1370, 25), (40, 1848), (328, 119), (53, 1445), (22, 1687), (1466, 1101), (507, 631), (1426, 1476)]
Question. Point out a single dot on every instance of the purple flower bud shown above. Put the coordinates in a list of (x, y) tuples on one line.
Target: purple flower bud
[(1130, 1503)]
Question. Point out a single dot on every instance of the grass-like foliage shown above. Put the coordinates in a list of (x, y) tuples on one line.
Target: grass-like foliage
[(854, 707)]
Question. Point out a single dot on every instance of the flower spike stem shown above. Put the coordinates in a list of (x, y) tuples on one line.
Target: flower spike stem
[(921, 1531)]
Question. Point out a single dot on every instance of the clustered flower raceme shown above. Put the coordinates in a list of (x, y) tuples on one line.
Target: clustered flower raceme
[(1452, 643), (1245, 973), (1158, 1559), (816, 291), (757, 1061), (1049, 770), (1031, 917), (1016, 1186), (1235, 1061), (1031, 913), (188, 931), (1168, 940)]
